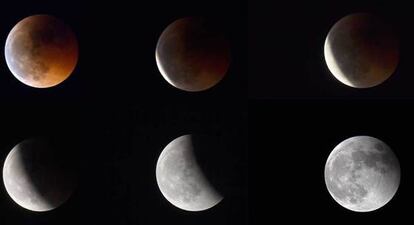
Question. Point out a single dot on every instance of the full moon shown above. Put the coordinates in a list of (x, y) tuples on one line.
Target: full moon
[(192, 54), (41, 51), (362, 173), (361, 50), (181, 180), (34, 177)]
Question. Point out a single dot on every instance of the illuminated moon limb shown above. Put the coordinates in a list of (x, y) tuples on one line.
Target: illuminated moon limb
[(333, 67), (162, 71)]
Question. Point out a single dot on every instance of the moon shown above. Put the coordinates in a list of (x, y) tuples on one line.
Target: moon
[(361, 50), (41, 51), (192, 55), (181, 180), (34, 177), (362, 173)]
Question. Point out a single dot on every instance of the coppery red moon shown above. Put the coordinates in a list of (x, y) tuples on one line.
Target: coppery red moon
[(41, 51)]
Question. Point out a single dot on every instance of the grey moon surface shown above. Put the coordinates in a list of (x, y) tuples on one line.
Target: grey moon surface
[(361, 50), (362, 173), (32, 179), (181, 180), (41, 51), (192, 55)]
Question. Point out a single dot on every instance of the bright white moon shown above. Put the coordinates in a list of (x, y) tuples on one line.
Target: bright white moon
[(362, 173)]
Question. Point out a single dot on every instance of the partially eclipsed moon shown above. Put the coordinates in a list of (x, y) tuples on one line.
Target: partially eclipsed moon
[(34, 178), (192, 55), (362, 173), (361, 50), (181, 179), (41, 51)]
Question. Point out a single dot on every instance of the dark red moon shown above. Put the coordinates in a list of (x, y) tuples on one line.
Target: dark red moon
[(192, 54), (361, 50)]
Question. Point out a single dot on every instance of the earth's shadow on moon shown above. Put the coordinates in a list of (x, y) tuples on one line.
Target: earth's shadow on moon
[(368, 43), (193, 53), (212, 157), (50, 168)]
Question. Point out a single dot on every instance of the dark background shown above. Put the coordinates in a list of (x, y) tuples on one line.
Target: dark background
[(116, 113), (298, 112), (286, 41), (292, 140)]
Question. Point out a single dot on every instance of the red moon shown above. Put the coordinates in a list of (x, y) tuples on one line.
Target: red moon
[(41, 51), (192, 55), (361, 50)]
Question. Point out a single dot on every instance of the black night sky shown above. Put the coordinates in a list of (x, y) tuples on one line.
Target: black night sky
[(116, 113), (293, 140), (277, 114), (286, 49), (298, 112)]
